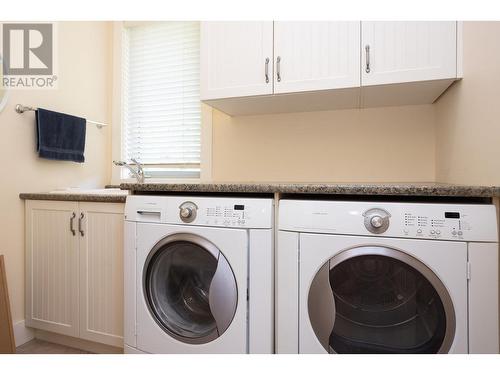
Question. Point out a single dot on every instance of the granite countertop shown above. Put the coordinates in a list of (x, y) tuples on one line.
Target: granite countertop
[(402, 189), (108, 195)]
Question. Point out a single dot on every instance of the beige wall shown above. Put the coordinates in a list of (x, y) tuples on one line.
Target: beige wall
[(468, 115), (84, 89), (388, 144)]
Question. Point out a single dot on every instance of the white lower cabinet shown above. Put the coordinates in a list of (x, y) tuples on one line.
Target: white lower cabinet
[(74, 269)]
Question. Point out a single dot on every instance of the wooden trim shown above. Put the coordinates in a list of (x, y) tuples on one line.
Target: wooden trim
[(7, 341), (23, 334), (117, 98), (206, 143)]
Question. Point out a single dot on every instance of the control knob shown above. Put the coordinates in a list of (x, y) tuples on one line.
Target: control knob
[(377, 220), (187, 212)]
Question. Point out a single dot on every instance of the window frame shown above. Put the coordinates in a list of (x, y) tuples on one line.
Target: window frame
[(121, 175)]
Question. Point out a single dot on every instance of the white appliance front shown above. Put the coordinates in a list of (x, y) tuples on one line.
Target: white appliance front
[(154, 337), (447, 261)]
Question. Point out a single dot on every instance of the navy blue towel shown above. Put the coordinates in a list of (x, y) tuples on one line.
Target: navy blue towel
[(60, 136)]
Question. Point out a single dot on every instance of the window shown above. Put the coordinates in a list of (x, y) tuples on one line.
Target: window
[(161, 98)]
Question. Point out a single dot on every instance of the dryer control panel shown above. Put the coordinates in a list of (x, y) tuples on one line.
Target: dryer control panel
[(455, 222), (449, 223)]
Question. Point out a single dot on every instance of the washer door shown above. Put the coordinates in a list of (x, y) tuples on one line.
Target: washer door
[(380, 300), (190, 289)]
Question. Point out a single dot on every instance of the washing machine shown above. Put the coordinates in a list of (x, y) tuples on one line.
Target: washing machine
[(198, 275), (386, 277)]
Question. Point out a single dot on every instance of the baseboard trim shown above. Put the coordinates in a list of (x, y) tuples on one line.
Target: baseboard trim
[(22, 334), (73, 342), (129, 350)]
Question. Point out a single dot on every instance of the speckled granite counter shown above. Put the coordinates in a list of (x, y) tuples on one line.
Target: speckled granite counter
[(402, 189), (97, 195)]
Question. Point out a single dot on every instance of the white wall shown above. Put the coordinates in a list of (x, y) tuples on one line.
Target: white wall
[(84, 88)]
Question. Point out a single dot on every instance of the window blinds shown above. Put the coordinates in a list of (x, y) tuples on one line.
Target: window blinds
[(161, 101)]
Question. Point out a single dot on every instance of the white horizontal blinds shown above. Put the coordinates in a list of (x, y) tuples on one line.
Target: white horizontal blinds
[(162, 112)]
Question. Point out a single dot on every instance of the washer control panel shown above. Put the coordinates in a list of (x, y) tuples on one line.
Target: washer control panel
[(252, 213), (432, 221), (235, 215)]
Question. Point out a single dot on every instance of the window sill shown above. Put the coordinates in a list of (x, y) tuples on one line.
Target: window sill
[(163, 180)]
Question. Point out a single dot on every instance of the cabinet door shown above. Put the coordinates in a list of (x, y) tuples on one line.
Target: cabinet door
[(316, 55), (233, 59), (101, 272), (52, 267), (400, 51)]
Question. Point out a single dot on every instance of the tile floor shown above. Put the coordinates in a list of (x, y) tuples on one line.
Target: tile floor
[(43, 347)]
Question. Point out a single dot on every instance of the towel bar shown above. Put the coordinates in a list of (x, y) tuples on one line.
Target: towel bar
[(23, 108)]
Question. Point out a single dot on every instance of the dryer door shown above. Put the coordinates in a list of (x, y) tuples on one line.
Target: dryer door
[(190, 289), (375, 299)]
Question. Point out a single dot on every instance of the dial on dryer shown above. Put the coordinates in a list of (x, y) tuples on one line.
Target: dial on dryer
[(377, 220)]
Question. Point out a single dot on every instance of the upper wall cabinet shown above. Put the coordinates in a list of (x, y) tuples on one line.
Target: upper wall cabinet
[(316, 56), (395, 52), (265, 67), (236, 59), (407, 62)]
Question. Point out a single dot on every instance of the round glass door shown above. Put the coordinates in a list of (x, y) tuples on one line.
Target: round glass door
[(189, 288), (380, 300)]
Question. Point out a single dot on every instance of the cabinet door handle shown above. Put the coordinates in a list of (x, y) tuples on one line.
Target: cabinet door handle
[(278, 68), (267, 70), (71, 221), (80, 224), (367, 50)]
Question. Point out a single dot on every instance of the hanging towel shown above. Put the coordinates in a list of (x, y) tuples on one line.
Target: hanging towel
[(60, 136)]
